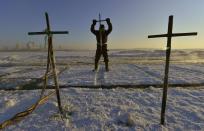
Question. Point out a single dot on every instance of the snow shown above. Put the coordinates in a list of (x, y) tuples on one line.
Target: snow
[(105, 109), (116, 109)]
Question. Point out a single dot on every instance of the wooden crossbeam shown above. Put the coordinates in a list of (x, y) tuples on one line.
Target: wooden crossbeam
[(184, 34), (47, 33), (173, 35), (169, 36), (51, 58), (48, 30)]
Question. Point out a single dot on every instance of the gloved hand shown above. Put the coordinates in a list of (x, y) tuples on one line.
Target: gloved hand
[(108, 20), (94, 22)]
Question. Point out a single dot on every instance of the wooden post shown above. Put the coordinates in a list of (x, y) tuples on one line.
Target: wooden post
[(166, 76), (51, 58), (169, 36)]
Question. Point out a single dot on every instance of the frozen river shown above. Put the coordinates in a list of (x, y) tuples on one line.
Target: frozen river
[(104, 109)]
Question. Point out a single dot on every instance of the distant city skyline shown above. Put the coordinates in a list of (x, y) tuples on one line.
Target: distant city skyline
[(133, 21)]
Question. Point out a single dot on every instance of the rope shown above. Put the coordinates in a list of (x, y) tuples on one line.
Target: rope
[(19, 116), (45, 40)]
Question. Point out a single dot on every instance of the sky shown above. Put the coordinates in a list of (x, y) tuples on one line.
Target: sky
[(133, 21)]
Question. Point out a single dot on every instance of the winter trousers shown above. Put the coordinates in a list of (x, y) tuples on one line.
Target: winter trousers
[(101, 51)]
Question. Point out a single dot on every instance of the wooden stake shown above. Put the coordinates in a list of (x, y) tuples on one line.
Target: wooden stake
[(169, 36), (51, 58)]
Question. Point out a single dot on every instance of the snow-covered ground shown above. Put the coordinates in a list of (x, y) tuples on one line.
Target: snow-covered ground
[(103, 109)]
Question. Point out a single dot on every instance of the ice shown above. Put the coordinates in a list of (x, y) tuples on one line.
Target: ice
[(105, 109), (118, 109)]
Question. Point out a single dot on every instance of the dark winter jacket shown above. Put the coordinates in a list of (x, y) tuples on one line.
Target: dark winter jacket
[(104, 34)]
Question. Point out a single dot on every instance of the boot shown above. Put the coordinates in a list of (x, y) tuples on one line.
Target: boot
[(96, 67), (106, 64)]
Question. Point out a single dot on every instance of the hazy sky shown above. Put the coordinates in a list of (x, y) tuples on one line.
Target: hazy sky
[(133, 21)]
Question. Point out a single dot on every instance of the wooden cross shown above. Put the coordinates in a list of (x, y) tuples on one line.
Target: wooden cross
[(51, 58), (169, 36)]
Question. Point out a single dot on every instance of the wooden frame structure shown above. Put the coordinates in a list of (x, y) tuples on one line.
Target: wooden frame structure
[(51, 63), (169, 36)]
